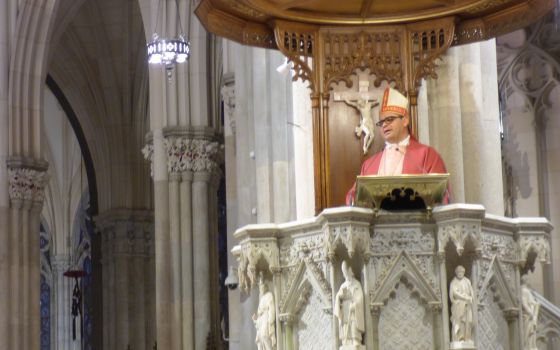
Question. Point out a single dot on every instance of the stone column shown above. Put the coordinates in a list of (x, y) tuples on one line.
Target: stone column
[(444, 335), (128, 249), (464, 124), (187, 215), (269, 177), (4, 151), (179, 112), (62, 289), (27, 178)]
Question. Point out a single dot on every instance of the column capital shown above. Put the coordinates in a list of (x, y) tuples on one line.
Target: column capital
[(187, 175), (27, 181), (148, 152), (192, 154), (176, 177), (60, 262), (202, 177), (126, 232), (188, 151)]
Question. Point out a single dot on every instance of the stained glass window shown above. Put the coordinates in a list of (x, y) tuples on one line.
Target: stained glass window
[(45, 289), (83, 231)]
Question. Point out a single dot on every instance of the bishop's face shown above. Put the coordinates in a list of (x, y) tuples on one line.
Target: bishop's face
[(394, 128)]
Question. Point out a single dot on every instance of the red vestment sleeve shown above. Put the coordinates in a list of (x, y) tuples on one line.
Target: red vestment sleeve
[(419, 159)]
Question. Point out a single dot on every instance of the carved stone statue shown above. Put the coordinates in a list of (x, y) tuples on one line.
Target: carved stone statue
[(265, 319), (530, 315), (366, 125), (461, 295), (349, 310)]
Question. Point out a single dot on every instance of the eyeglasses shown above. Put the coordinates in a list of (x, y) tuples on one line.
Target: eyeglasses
[(387, 120)]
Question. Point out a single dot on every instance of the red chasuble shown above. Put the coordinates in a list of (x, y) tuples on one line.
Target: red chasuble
[(418, 159)]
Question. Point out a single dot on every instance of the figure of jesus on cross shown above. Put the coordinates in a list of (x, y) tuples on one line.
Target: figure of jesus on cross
[(364, 102)]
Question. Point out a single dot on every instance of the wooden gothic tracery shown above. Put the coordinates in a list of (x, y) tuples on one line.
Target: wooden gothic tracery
[(330, 42), (401, 55)]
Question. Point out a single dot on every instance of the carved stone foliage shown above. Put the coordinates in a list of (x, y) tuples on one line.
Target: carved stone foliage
[(354, 237), (504, 247), (405, 323), (314, 326), (459, 233), (188, 154), (251, 253), (394, 241), (293, 250), (27, 184), (196, 155), (381, 264), (148, 152)]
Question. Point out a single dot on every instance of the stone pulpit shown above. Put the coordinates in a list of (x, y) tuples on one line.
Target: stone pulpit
[(403, 272)]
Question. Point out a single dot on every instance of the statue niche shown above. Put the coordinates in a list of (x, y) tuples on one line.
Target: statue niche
[(265, 318), (461, 294)]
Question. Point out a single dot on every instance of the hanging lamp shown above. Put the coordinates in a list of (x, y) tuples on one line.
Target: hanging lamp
[(168, 51)]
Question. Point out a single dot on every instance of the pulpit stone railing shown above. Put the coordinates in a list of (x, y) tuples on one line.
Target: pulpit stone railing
[(403, 262)]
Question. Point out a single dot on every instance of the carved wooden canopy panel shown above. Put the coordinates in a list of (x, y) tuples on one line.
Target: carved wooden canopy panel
[(328, 41), (248, 21), (399, 54)]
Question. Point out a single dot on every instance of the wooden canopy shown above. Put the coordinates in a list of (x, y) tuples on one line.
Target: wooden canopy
[(328, 41)]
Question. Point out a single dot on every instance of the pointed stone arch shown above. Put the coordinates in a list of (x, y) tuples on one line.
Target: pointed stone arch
[(405, 290), (404, 268), (304, 280), (307, 294), (27, 76), (498, 290), (497, 283)]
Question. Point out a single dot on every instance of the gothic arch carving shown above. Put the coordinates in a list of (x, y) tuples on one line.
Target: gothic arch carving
[(353, 238), (254, 257), (404, 268), (459, 234), (528, 69), (299, 289), (496, 282)]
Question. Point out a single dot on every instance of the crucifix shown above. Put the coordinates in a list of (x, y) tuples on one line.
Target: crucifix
[(364, 101)]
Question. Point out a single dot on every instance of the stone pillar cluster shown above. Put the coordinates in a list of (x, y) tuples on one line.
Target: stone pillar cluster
[(20, 255), (186, 180), (62, 292), (268, 157), (128, 279), (464, 124)]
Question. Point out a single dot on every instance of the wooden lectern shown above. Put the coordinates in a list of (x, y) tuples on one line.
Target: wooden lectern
[(402, 192)]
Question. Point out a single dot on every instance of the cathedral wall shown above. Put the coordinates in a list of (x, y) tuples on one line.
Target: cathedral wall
[(464, 124), (260, 157)]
